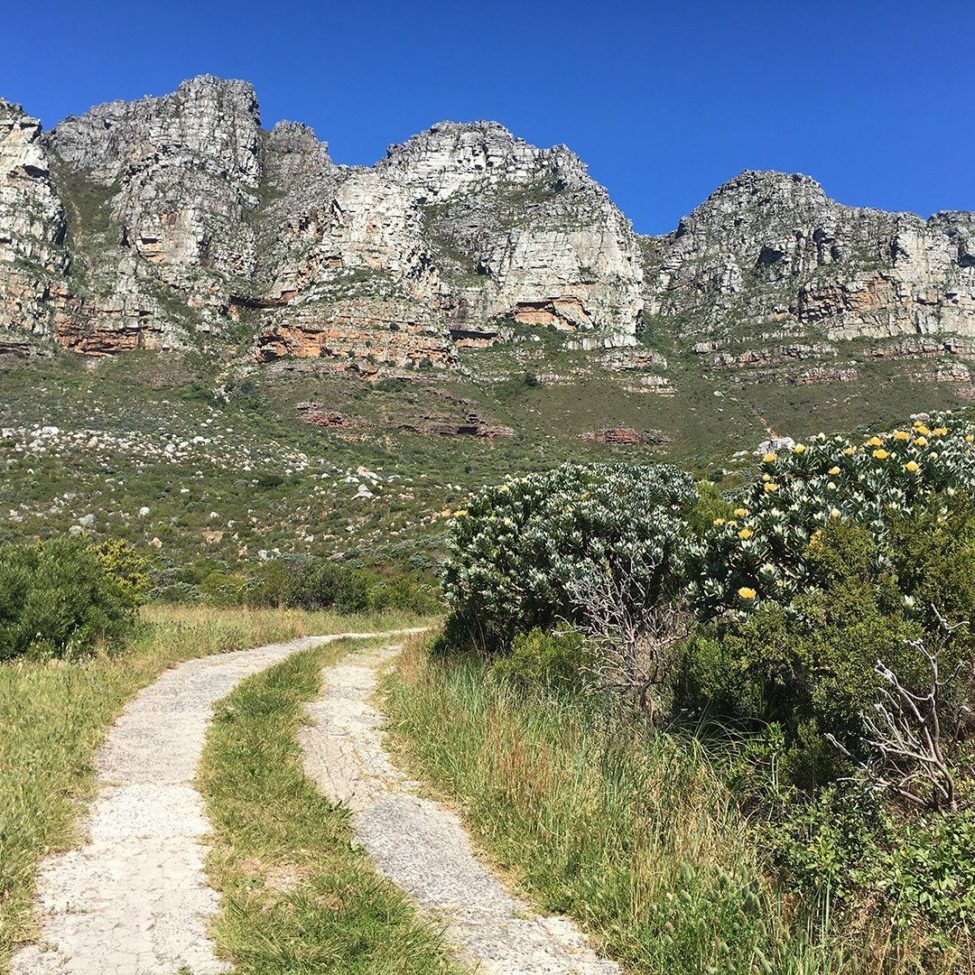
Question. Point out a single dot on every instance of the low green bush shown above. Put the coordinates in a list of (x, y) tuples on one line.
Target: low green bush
[(553, 660), (323, 584), (65, 598)]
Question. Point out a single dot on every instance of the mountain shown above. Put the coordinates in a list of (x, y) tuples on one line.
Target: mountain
[(177, 222)]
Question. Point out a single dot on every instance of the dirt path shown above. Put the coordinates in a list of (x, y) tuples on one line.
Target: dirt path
[(422, 847), (133, 900)]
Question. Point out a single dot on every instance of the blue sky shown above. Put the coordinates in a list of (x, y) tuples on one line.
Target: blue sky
[(664, 101)]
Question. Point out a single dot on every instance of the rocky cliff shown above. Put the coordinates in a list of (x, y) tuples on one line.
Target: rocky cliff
[(770, 269), (178, 222)]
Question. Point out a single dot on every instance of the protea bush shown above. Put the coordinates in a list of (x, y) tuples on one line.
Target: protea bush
[(758, 553), (518, 550)]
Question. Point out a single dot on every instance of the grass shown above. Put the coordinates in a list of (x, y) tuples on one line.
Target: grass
[(298, 895), (54, 717), (636, 837)]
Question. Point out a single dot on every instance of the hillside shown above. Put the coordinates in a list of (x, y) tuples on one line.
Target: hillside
[(271, 352)]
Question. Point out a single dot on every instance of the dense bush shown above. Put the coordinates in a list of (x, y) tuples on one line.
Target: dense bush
[(65, 598), (518, 549), (811, 667), (550, 660), (323, 584), (759, 553)]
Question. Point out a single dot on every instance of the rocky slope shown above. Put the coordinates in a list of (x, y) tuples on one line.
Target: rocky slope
[(178, 222)]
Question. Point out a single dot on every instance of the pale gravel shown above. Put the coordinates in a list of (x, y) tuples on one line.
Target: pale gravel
[(422, 847), (133, 900)]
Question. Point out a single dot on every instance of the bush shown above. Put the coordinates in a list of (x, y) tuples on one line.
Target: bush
[(319, 583), (65, 598), (811, 667), (759, 553), (845, 845), (538, 659), (518, 549)]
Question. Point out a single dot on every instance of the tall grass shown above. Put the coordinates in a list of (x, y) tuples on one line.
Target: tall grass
[(54, 715), (636, 836), (298, 895)]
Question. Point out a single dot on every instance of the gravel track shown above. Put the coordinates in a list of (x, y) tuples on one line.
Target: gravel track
[(422, 847), (133, 900)]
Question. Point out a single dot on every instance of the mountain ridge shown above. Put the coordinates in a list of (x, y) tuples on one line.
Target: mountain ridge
[(178, 222)]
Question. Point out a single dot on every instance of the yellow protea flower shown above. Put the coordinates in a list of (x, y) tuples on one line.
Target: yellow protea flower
[(799, 448), (920, 428), (969, 439), (881, 454), (835, 513), (460, 513), (875, 442), (771, 487), (766, 477), (901, 435), (921, 441), (912, 466), (850, 451), (834, 470), (745, 533), (770, 458), (718, 522), (939, 432), (746, 592), (741, 512)]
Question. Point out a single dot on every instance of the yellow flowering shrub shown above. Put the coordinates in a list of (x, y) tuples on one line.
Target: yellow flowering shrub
[(830, 479)]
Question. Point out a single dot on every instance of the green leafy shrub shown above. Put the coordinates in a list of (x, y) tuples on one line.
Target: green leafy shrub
[(64, 598), (538, 659), (323, 584), (811, 667), (845, 844), (517, 549), (759, 553)]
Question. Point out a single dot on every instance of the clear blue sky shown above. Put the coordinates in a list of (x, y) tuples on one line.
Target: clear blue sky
[(664, 100)]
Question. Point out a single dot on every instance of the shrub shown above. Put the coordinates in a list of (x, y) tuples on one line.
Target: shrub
[(404, 593), (323, 584), (846, 845), (64, 598), (518, 549), (759, 554), (811, 667), (538, 659)]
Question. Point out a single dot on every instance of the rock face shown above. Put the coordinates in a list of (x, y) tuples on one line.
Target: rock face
[(769, 256), (33, 259), (178, 222)]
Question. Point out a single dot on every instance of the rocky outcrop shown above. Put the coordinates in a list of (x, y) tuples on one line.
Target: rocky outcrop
[(33, 259), (769, 254), (178, 222), (183, 220)]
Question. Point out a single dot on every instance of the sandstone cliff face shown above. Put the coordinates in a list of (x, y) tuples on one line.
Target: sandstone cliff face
[(770, 256), (178, 221), (32, 230)]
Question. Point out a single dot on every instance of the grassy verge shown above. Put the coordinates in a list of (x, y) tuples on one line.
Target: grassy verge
[(637, 838), (53, 716), (298, 895)]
